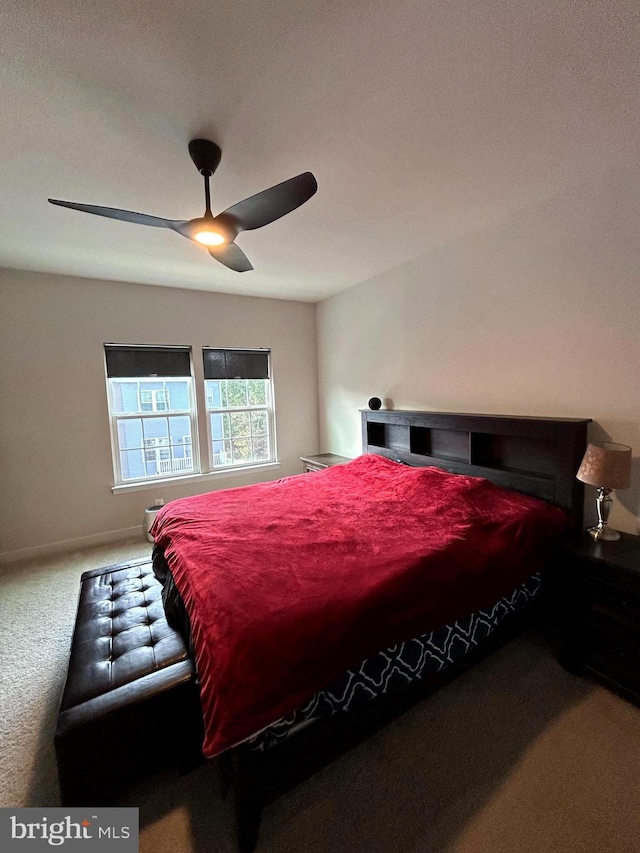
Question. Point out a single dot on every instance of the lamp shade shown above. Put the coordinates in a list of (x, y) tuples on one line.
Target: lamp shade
[(606, 465)]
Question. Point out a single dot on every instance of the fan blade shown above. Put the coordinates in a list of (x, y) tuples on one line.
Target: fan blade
[(122, 215), (271, 204), (232, 256)]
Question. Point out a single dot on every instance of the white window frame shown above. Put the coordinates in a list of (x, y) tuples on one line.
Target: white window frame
[(269, 408), (195, 451), (116, 417)]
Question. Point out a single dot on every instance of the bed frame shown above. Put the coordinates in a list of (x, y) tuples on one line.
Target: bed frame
[(531, 455)]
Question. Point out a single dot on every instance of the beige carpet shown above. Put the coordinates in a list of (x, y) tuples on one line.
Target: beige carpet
[(516, 756)]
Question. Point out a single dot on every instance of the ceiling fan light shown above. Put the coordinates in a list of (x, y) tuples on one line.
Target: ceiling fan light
[(209, 238)]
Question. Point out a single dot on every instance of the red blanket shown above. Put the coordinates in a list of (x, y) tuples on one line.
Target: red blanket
[(289, 583)]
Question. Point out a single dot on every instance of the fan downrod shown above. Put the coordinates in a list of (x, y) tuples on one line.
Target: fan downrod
[(206, 155)]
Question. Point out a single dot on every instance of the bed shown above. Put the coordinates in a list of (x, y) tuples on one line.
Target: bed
[(320, 606)]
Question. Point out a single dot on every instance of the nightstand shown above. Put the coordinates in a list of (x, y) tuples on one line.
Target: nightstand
[(321, 461), (601, 582)]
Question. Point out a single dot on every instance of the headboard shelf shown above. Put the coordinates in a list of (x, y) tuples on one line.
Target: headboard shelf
[(440, 443), (532, 455)]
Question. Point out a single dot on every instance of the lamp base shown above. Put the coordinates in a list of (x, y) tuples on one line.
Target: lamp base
[(604, 532)]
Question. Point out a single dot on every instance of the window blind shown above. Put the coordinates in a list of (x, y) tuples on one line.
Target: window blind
[(131, 361), (236, 363)]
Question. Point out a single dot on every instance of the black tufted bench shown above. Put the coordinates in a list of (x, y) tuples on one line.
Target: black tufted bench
[(130, 703)]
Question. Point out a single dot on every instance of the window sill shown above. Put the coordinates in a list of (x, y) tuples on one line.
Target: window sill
[(149, 485)]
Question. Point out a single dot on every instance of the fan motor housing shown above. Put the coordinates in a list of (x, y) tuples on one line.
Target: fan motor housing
[(206, 155)]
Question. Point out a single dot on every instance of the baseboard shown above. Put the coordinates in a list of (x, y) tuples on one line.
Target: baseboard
[(52, 548)]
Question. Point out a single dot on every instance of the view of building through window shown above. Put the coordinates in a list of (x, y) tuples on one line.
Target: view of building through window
[(150, 444)]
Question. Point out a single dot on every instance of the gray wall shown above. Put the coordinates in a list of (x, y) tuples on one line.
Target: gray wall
[(54, 430), (539, 315)]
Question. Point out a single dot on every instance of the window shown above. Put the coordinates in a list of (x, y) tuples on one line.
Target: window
[(152, 410), (239, 405), (153, 404), (154, 400)]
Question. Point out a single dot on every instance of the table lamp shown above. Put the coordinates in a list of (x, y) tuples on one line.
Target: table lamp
[(607, 466)]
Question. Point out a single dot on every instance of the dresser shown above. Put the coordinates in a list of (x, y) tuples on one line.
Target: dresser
[(601, 589)]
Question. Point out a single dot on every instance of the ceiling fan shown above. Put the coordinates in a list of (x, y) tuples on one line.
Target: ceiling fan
[(218, 233)]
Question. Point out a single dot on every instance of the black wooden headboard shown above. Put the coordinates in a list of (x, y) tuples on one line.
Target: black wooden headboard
[(534, 456)]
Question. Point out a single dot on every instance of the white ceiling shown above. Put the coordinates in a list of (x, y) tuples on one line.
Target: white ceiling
[(420, 120)]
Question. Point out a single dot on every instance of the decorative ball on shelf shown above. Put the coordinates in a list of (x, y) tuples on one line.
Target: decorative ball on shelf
[(375, 403)]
